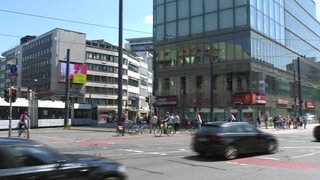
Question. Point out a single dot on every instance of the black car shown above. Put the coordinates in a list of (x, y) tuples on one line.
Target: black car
[(231, 139), (316, 132), (28, 159)]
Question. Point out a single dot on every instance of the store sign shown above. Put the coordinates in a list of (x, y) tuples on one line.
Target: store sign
[(248, 98), (282, 101), (310, 105), (167, 101), (244, 98), (261, 99)]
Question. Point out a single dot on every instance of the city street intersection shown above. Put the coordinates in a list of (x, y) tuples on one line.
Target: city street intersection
[(150, 157)]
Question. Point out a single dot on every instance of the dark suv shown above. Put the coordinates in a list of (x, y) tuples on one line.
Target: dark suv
[(28, 159), (231, 139)]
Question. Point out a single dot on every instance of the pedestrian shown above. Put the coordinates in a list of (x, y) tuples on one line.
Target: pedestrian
[(304, 121), (259, 119), (176, 123), (289, 122), (187, 121), (266, 119), (154, 121), (23, 121), (232, 118), (198, 120)]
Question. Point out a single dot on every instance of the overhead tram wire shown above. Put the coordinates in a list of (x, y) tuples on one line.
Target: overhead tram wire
[(71, 21)]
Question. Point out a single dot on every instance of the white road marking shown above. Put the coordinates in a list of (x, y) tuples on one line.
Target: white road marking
[(311, 147), (305, 155), (270, 158)]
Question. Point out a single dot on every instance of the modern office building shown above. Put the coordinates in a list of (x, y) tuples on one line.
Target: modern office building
[(238, 56), (93, 72)]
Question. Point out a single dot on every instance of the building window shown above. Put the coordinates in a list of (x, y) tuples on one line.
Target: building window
[(171, 30), (133, 68), (171, 11), (196, 7), (241, 16), (196, 25), (211, 22), (167, 83), (183, 9), (183, 85), (133, 82), (183, 27), (210, 6), (224, 4), (199, 83), (226, 19)]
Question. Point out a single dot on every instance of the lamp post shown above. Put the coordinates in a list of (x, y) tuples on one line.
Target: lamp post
[(212, 59), (211, 90), (299, 87)]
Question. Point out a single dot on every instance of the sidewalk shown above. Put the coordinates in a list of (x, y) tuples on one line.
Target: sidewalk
[(110, 129), (272, 130)]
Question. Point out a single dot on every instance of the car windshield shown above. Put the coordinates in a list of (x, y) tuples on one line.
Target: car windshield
[(36, 155), (214, 129)]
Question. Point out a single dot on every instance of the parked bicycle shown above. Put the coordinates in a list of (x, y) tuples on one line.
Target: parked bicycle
[(163, 128), (131, 128), (137, 129), (191, 130)]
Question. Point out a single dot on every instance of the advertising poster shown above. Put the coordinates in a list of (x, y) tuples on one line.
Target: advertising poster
[(77, 73)]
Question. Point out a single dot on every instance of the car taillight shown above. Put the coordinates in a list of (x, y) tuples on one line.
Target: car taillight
[(216, 138)]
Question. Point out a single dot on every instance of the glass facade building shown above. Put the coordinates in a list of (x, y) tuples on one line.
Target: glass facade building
[(239, 56)]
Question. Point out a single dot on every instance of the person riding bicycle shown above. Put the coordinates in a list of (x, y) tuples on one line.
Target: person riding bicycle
[(23, 121), (168, 121)]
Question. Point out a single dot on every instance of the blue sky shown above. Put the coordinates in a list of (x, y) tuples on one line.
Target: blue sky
[(19, 18)]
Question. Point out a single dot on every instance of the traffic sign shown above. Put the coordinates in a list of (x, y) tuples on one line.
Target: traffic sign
[(13, 69)]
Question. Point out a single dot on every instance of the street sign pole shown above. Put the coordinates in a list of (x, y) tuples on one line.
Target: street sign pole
[(10, 115)]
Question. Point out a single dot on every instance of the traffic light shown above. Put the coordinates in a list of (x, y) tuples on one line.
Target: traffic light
[(13, 95), (6, 95), (147, 99), (70, 83)]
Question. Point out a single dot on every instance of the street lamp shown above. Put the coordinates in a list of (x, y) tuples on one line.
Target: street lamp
[(212, 59)]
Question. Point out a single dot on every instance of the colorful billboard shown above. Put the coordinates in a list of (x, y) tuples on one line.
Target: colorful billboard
[(77, 73)]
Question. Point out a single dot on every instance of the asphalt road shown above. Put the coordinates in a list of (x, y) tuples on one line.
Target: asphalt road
[(147, 157)]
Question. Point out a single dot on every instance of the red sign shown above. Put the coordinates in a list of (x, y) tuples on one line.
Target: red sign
[(245, 98), (282, 101), (248, 98), (261, 99), (310, 105)]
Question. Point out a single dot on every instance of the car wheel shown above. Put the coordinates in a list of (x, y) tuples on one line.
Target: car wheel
[(271, 147), (230, 152), (316, 133), (201, 154)]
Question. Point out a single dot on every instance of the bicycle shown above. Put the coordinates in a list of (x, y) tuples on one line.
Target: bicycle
[(164, 128), (192, 130), (137, 129), (23, 131), (131, 129)]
